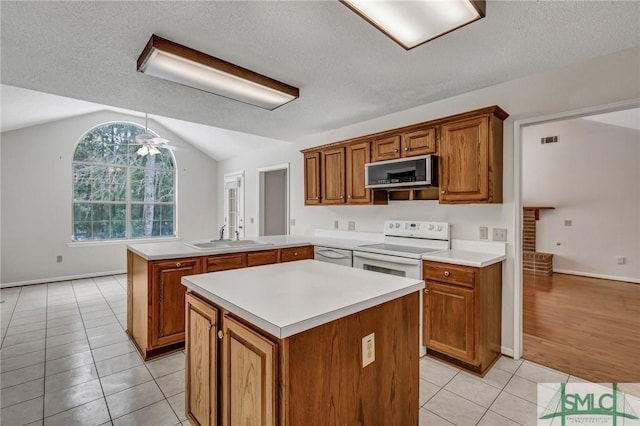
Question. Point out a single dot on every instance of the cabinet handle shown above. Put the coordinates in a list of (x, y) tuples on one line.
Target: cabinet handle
[(178, 265), (220, 334), (447, 273), (426, 291)]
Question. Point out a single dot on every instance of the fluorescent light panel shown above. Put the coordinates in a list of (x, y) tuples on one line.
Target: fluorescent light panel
[(171, 61), (414, 22)]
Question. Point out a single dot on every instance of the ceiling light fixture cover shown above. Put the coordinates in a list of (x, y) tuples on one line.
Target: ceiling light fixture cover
[(414, 22), (171, 61)]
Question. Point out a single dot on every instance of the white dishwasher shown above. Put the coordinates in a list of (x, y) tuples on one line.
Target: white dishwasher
[(333, 255)]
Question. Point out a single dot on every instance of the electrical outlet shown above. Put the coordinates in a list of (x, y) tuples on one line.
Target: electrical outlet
[(621, 260), (568, 223), (499, 234), (484, 233), (352, 225), (368, 349), (292, 222), (335, 224), (250, 220), (59, 259)]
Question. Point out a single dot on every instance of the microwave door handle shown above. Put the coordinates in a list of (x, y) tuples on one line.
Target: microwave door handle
[(398, 260), (330, 254)]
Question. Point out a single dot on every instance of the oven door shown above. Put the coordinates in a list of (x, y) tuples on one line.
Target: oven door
[(393, 265)]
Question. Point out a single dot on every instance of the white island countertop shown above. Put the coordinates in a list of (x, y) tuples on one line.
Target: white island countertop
[(288, 298)]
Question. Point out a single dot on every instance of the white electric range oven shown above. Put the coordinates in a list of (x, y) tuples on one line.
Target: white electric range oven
[(401, 252)]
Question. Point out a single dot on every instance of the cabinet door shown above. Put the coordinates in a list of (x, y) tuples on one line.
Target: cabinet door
[(168, 299), (312, 178), (296, 253), (332, 173), (265, 257), (464, 161), (224, 262), (386, 148), (248, 382), (201, 358), (357, 156), (420, 142), (448, 320)]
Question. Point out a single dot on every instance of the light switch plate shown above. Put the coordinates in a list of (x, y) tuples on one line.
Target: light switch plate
[(499, 234), (352, 225), (368, 349), (484, 233)]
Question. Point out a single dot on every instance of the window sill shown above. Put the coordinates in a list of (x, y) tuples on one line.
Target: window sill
[(96, 243)]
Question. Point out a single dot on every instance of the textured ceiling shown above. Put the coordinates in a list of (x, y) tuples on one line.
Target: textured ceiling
[(347, 71)]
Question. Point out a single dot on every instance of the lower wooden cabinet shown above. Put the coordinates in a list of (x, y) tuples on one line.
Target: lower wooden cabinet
[(462, 313), (156, 296), (201, 362), (237, 374)]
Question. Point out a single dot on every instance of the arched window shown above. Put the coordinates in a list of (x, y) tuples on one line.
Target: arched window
[(119, 190)]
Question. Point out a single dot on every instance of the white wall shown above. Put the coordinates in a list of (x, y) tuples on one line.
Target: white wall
[(592, 178), (599, 81), (36, 201)]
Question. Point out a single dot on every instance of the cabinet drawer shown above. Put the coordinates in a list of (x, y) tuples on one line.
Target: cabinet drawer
[(224, 262), (296, 253), (265, 257), (445, 272)]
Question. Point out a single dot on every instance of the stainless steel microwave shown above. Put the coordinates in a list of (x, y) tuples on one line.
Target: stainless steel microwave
[(410, 171)]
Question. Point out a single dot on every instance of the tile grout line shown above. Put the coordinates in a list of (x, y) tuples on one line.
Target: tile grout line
[(13, 310)]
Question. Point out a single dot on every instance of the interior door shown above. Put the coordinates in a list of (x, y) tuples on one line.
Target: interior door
[(234, 205)]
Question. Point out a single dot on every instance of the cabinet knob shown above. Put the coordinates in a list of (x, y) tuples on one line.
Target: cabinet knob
[(395, 151), (295, 253), (406, 149), (220, 334), (178, 265), (349, 196), (447, 273), (317, 198), (426, 291), (444, 192)]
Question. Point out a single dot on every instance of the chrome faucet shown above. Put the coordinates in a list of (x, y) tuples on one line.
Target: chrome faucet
[(222, 232)]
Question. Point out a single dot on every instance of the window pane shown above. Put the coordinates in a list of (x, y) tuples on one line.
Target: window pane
[(149, 220), (98, 221), (152, 186)]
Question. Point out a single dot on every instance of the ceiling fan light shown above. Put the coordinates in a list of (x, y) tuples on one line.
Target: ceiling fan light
[(412, 23), (143, 150), (180, 64)]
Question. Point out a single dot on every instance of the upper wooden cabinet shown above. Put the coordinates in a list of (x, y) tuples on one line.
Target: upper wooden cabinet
[(312, 178), (469, 149), (332, 176), (471, 160), (419, 142), (358, 154), (387, 148)]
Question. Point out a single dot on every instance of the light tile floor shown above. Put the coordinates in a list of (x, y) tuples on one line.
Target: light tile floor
[(66, 360)]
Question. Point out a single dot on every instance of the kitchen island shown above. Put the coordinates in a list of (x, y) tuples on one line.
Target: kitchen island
[(302, 343)]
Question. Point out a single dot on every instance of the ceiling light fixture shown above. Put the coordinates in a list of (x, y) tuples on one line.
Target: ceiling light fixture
[(412, 23), (171, 61)]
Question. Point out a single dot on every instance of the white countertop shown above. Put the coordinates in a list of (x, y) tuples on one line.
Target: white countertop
[(287, 298), (470, 253), (178, 249)]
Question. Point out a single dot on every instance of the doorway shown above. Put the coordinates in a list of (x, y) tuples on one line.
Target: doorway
[(576, 224), (234, 205), (274, 200)]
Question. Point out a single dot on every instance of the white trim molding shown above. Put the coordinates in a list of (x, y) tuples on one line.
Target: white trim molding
[(64, 278)]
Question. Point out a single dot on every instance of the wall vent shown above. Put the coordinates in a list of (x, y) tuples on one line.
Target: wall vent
[(549, 139)]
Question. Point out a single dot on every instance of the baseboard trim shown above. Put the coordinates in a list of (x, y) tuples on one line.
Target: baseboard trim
[(506, 351), (603, 276), (64, 278)]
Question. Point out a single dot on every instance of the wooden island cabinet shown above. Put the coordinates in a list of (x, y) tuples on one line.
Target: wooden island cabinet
[(156, 297), (462, 313), (239, 373)]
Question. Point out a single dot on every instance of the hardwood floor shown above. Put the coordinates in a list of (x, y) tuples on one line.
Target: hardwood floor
[(587, 327)]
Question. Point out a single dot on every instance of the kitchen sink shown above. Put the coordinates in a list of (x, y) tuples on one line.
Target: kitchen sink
[(215, 244)]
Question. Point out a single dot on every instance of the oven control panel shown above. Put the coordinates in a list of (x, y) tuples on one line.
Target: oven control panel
[(415, 229)]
